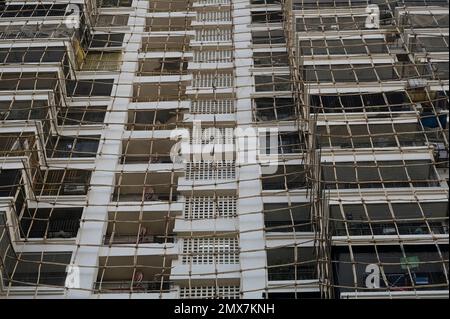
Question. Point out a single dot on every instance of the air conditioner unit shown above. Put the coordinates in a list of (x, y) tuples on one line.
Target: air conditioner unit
[(373, 18)]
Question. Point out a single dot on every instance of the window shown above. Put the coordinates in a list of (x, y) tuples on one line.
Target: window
[(266, 2), (420, 218), (37, 269), (287, 177), (409, 267), (66, 146), (350, 73), (33, 10), (268, 37), (82, 115), (381, 174), (24, 110), (331, 23), (267, 17), (274, 82), (109, 40), (291, 263), (111, 20), (28, 81), (274, 109), (376, 102), (98, 87), (32, 55), (343, 47), (50, 222), (114, 3), (295, 217), (270, 59), (10, 180), (102, 61)]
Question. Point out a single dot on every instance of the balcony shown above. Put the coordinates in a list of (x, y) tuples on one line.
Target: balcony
[(267, 109), (168, 23), (133, 287), (62, 182), (131, 228), (148, 120), (143, 187), (146, 151), (212, 82), (162, 66), (113, 3), (157, 92), (50, 223), (102, 61), (170, 6), (123, 274), (172, 43)]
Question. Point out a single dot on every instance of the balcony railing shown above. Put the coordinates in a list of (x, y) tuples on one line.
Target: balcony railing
[(213, 35), (164, 197), (211, 80), (130, 286), (133, 239), (57, 228), (214, 16), (222, 2)]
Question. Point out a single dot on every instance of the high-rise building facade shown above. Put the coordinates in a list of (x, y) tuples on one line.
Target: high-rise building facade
[(224, 149)]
